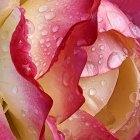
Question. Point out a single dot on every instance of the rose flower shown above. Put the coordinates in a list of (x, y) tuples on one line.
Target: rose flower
[(69, 70)]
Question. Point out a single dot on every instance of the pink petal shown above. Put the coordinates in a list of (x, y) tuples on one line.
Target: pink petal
[(5, 131), (82, 126), (126, 21), (56, 81), (50, 22), (107, 53), (28, 104), (57, 135)]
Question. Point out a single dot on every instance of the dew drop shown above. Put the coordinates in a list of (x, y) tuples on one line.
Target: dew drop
[(50, 15), (55, 28), (102, 47), (66, 79), (132, 97), (103, 82), (92, 91), (31, 27), (58, 41), (115, 60), (135, 30), (44, 32), (93, 49), (14, 90), (100, 19), (23, 113), (43, 8)]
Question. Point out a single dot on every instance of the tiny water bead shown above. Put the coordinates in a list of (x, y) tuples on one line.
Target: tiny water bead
[(92, 91), (43, 8), (14, 89), (115, 60), (55, 28), (66, 79), (49, 15), (31, 27), (134, 30)]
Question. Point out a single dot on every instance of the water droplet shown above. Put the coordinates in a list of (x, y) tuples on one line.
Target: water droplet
[(135, 30), (132, 97), (23, 113), (102, 47), (100, 61), (50, 15), (66, 79), (92, 91), (48, 44), (44, 32), (101, 56), (14, 90), (115, 60), (93, 49), (100, 19), (55, 28), (103, 82), (42, 41), (58, 41), (43, 8), (31, 27)]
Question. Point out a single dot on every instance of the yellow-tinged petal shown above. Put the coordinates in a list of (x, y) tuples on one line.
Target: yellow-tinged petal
[(6, 7), (98, 90), (115, 114)]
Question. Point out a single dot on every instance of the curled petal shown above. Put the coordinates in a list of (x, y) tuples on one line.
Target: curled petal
[(82, 126), (120, 15), (107, 53), (6, 6), (5, 130), (57, 135), (28, 105), (97, 90), (48, 27)]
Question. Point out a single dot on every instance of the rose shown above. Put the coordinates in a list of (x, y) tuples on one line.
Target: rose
[(63, 76)]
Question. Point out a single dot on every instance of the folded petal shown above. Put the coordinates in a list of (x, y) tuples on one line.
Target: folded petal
[(107, 53), (82, 126), (117, 114), (120, 15), (61, 82), (5, 131), (48, 27), (57, 135), (6, 6), (28, 105), (97, 90)]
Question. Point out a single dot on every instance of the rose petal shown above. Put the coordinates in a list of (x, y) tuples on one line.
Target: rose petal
[(107, 53), (82, 126), (28, 104), (5, 131), (6, 6), (126, 21), (57, 135), (48, 27), (97, 90), (115, 114), (62, 79)]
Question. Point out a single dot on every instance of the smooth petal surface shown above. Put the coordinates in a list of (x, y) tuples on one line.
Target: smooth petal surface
[(6, 6), (28, 105), (97, 90), (5, 131), (48, 27), (82, 126), (107, 53)]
